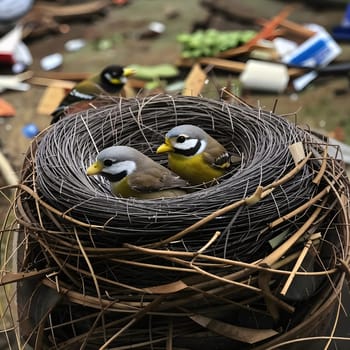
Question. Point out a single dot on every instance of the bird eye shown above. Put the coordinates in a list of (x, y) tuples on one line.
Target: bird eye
[(107, 162), (181, 139)]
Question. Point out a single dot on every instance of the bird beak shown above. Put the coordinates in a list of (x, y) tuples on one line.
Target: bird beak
[(165, 147), (127, 72), (95, 168)]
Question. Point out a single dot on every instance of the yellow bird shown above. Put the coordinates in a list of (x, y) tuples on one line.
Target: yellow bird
[(133, 174), (108, 82), (194, 155)]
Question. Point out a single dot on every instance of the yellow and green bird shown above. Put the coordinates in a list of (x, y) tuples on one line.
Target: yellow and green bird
[(133, 174), (108, 82), (194, 155)]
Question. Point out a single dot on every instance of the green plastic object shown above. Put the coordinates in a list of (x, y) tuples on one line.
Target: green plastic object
[(206, 43), (160, 71)]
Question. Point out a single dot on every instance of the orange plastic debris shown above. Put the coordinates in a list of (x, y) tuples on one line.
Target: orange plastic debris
[(6, 109)]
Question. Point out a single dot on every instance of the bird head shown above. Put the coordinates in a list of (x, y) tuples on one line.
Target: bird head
[(116, 75), (187, 140), (114, 163)]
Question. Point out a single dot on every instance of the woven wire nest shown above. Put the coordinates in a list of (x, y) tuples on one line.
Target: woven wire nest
[(129, 247), (262, 138)]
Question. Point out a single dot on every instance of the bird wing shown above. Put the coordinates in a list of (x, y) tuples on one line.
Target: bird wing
[(155, 179), (217, 157), (86, 90)]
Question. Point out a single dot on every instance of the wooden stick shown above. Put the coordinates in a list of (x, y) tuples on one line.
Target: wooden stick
[(293, 27), (284, 247), (323, 167), (296, 267), (297, 151), (65, 84), (7, 171), (271, 25), (300, 209)]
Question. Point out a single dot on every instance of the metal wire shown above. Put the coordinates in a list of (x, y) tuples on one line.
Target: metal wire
[(96, 243), (261, 137)]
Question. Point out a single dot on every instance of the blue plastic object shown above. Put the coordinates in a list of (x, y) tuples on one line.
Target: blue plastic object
[(342, 32), (30, 130)]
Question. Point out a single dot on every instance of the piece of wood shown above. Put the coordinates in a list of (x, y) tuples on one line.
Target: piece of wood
[(292, 27), (65, 84), (268, 30), (296, 267), (51, 98), (7, 171), (195, 81), (73, 76), (231, 66), (271, 25), (297, 151)]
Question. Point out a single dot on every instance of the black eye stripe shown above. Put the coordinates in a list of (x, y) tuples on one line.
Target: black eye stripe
[(107, 162)]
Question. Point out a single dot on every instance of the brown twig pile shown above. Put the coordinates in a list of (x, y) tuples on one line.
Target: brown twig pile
[(244, 263)]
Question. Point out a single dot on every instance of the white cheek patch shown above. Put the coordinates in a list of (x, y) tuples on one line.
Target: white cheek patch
[(128, 166), (188, 144), (202, 147), (108, 76), (191, 144)]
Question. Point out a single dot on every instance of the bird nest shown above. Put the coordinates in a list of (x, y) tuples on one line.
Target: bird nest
[(245, 262)]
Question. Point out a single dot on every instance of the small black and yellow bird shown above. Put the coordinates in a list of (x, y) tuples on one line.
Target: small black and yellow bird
[(133, 174), (194, 155), (108, 82)]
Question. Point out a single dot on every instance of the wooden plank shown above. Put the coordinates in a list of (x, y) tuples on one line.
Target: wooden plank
[(195, 81), (51, 98)]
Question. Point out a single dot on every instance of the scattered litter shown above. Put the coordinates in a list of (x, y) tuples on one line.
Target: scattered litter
[(206, 43), (176, 86), (284, 46), (294, 97), (104, 44), (50, 99), (22, 55), (51, 62), (342, 32), (265, 76), (74, 44), (15, 82), (6, 109), (157, 27), (7, 171), (160, 71), (195, 81), (317, 51), (8, 44), (18, 68), (30, 130), (153, 29), (14, 52)]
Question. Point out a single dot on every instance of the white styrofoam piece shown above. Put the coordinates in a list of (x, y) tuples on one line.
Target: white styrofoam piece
[(264, 76), (284, 46)]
